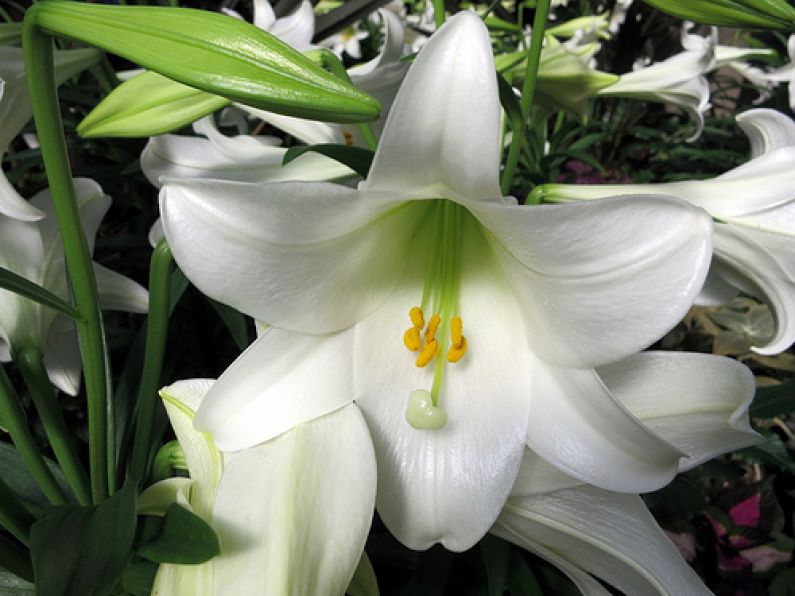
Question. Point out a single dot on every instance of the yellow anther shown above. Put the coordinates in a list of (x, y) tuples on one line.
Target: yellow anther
[(433, 325), (411, 338), (417, 318), (348, 137), (428, 352), (455, 353), (456, 328)]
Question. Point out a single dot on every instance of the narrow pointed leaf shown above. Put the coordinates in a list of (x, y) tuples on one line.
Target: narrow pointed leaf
[(148, 105), (775, 400), (185, 539), (356, 158), (212, 52), (752, 14), (81, 551), (24, 287)]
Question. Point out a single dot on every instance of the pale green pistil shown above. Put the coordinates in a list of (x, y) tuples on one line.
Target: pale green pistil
[(443, 333)]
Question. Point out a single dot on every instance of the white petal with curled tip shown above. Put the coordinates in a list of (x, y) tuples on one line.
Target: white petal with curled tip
[(296, 28), (263, 14), (698, 402), (204, 461), (310, 257), (431, 144), (600, 280), (716, 290), (580, 428), (119, 292), (184, 580), (62, 356), (767, 130), (610, 535), (310, 132), (13, 205), (177, 156), (447, 485), (586, 584), (761, 264), (293, 514), (281, 380)]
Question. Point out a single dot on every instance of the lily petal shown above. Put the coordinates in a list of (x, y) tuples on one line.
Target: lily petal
[(283, 379), (610, 535), (716, 290), (275, 538), (698, 402), (119, 292), (184, 580), (158, 497), (580, 428), (181, 401), (177, 156), (767, 130), (428, 115), (760, 263), (62, 356), (296, 28), (257, 252), (601, 283), (447, 485), (13, 205)]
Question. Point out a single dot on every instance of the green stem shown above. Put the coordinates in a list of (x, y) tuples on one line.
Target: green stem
[(30, 363), (12, 418), (156, 330), (528, 88), (15, 559), (39, 71), (13, 516), (438, 12)]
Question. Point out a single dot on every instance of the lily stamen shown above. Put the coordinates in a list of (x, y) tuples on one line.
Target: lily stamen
[(428, 352)]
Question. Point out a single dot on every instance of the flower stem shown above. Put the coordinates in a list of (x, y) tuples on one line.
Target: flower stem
[(528, 88), (438, 13), (39, 70), (13, 515), (29, 361), (156, 330), (12, 418)]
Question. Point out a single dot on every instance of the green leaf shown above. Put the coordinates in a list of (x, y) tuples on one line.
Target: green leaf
[(363, 582), (213, 52), (356, 158), (18, 478), (10, 33), (147, 105), (24, 287), (185, 539), (81, 551), (774, 400), (751, 14), (772, 452), (235, 322), (521, 579), (496, 556), (783, 584), (138, 578)]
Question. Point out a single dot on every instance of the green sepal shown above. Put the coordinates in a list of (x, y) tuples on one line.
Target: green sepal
[(147, 105), (356, 158), (750, 14), (184, 539), (82, 551), (24, 287), (212, 52)]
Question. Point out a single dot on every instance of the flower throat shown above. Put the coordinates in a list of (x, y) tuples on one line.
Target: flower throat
[(439, 339)]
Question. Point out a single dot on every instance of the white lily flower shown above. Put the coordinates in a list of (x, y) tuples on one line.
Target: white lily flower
[(262, 504), (697, 402), (786, 73), (587, 29), (619, 15), (16, 110), (34, 250), (678, 81), (754, 205), (295, 29), (346, 42), (541, 294), (733, 58)]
